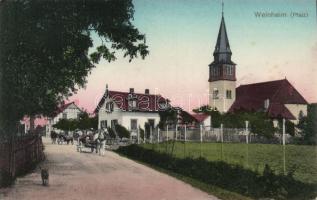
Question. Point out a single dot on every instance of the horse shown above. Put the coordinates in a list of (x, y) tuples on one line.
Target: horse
[(101, 141), (87, 140), (64, 138)]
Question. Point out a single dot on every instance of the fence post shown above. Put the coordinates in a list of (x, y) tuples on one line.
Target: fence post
[(167, 132), (246, 131), (185, 133), (201, 133), (158, 135), (283, 131), (138, 133), (144, 135), (151, 135), (221, 133), (176, 132)]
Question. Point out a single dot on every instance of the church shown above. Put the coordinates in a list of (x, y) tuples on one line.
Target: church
[(278, 98)]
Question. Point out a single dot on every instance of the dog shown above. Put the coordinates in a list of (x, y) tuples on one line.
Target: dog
[(44, 176)]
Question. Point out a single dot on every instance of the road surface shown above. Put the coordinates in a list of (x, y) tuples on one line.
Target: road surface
[(86, 176)]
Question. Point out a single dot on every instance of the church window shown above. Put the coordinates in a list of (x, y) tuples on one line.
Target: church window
[(215, 94), (228, 94), (229, 70)]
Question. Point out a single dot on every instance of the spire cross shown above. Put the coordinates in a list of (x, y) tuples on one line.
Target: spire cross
[(222, 4)]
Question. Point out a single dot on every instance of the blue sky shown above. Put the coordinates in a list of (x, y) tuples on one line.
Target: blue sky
[(181, 35)]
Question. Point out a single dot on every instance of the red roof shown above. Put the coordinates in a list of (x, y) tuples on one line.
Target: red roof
[(62, 108), (200, 117), (277, 110), (144, 102), (251, 97)]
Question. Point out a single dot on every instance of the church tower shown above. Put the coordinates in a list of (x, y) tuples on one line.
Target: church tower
[(222, 73)]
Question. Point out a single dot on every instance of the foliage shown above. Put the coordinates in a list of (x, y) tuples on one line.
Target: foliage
[(168, 116), (308, 125), (66, 124), (44, 49), (259, 122), (289, 127), (84, 122), (216, 117), (231, 177), (6, 179), (147, 130), (141, 132), (122, 131), (112, 134)]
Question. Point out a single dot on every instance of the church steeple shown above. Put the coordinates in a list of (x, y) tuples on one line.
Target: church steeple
[(222, 68), (222, 72), (222, 53)]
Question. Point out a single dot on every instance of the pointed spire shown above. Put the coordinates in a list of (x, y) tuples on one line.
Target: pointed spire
[(222, 50)]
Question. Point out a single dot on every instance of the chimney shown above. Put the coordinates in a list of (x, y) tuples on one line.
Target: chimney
[(131, 90), (147, 91)]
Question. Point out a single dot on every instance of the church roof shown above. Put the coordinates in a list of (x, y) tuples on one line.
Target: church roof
[(222, 45), (251, 97)]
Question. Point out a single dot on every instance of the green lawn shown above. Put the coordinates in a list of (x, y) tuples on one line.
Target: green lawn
[(302, 159)]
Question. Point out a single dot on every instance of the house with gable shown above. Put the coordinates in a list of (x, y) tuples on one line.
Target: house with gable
[(66, 111), (130, 109)]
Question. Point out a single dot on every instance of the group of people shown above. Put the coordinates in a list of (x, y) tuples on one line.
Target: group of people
[(96, 140), (93, 139), (60, 138)]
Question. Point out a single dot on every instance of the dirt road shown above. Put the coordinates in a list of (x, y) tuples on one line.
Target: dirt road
[(86, 176)]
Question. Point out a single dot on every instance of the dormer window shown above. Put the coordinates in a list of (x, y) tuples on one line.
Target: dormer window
[(109, 107), (132, 101)]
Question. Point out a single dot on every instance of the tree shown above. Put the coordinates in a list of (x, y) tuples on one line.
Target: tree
[(122, 131), (85, 122), (66, 124), (44, 49), (168, 116), (308, 125), (216, 117)]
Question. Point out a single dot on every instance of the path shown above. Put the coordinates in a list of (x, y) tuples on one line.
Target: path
[(86, 176)]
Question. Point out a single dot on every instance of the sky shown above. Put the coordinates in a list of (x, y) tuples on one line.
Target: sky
[(181, 35)]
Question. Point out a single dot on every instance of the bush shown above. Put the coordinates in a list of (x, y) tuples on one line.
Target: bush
[(6, 179), (230, 177), (122, 131), (112, 134)]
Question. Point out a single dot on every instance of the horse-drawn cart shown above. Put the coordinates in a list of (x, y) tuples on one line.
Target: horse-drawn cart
[(86, 143)]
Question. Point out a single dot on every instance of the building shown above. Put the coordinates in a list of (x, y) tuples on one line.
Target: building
[(66, 111), (278, 98), (129, 109), (222, 73), (202, 119)]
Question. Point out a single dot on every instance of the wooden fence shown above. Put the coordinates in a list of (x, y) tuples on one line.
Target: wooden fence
[(18, 154)]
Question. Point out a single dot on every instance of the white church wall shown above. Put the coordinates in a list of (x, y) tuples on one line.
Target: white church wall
[(295, 109), (222, 103)]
